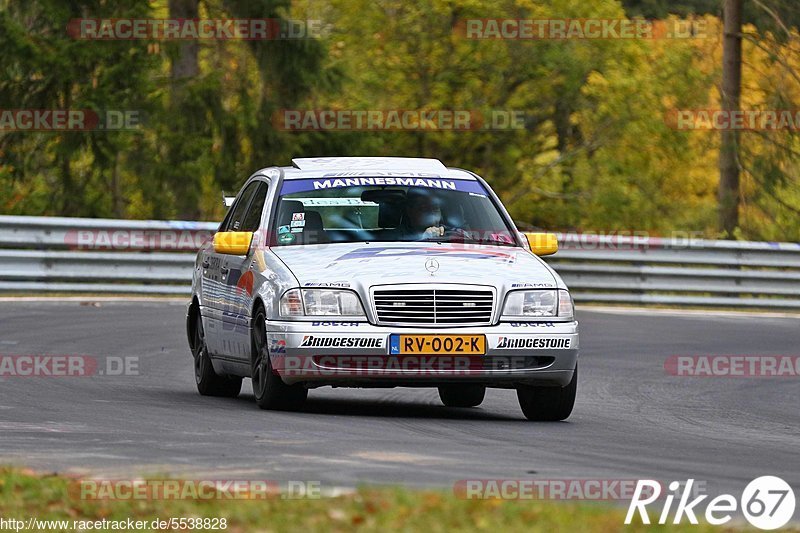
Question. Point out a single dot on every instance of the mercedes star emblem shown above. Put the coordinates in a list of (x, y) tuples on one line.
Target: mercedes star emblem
[(431, 265)]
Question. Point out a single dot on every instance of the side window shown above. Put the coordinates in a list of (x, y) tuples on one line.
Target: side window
[(238, 209), (253, 217)]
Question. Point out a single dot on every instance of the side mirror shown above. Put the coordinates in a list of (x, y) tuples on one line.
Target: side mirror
[(542, 243), (233, 242)]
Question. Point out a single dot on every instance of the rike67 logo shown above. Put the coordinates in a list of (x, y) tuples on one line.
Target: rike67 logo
[(767, 502)]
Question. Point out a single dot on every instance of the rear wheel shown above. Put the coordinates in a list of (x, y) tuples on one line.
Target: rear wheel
[(209, 383), (268, 388), (462, 395), (548, 403)]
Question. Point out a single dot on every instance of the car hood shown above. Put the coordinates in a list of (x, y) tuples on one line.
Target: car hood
[(363, 265)]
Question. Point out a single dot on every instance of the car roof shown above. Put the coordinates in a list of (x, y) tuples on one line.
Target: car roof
[(315, 167)]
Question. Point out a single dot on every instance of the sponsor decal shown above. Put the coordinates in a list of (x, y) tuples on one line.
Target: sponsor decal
[(372, 174), (297, 230), (277, 346), (502, 237), (343, 324), (408, 182), (311, 341), (408, 251), (283, 229), (535, 343), (245, 283), (304, 185), (532, 325), (286, 238), (327, 284), (298, 223), (298, 216)]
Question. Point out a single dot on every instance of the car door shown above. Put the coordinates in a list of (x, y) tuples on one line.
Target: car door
[(239, 274), (215, 278)]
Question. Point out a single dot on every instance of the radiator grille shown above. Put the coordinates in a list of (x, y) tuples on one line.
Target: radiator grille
[(434, 306)]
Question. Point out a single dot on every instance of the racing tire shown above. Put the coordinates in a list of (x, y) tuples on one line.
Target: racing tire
[(209, 383), (548, 404), (268, 388), (462, 395)]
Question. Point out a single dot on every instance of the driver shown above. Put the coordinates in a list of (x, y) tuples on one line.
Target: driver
[(422, 215)]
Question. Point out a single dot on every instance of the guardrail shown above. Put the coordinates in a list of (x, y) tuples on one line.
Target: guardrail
[(78, 255)]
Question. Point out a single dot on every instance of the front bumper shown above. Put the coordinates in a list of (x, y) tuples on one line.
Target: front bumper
[(359, 354)]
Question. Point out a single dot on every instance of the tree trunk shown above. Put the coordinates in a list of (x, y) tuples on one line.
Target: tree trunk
[(728, 192), (185, 64)]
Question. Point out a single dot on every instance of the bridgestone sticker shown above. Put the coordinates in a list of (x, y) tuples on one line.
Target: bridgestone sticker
[(311, 341), (534, 343)]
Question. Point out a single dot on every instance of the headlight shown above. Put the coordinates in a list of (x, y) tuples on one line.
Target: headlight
[(320, 302), (538, 304)]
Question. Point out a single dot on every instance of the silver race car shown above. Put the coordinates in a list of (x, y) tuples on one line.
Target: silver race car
[(380, 272)]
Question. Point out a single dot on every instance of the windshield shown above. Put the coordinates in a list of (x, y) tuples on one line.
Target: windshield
[(314, 211)]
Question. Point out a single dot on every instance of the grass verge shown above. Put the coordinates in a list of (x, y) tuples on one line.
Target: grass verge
[(25, 494)]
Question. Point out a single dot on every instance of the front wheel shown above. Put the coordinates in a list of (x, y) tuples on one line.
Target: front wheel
[(548, 403), (462, 395), (268, 388), (209, 383)]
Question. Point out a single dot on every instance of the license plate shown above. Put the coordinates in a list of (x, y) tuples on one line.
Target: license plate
[(437, 344)]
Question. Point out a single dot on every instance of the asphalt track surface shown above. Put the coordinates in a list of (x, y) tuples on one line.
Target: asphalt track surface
[(631, 420)]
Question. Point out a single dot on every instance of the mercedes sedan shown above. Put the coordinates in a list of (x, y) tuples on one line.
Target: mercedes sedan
[(380, 272)]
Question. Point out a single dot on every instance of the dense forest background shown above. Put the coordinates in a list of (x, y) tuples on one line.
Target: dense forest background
[(596, 153)]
